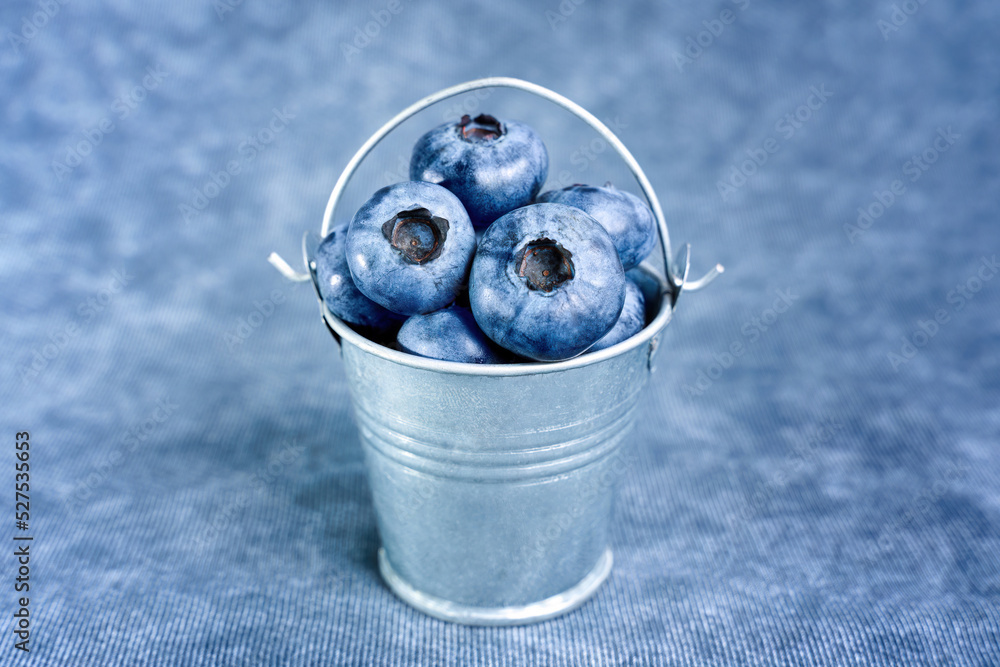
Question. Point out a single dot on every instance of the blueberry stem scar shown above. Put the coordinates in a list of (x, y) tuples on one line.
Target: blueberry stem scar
[(545, 265), (482, 128), (416, 234)]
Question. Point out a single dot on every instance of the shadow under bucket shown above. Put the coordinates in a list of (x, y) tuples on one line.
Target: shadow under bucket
[(494, 485)]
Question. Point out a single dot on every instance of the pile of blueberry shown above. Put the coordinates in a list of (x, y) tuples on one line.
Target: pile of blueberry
[(468, 262)]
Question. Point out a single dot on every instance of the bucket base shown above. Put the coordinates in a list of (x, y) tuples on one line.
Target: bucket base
[(543, 610)]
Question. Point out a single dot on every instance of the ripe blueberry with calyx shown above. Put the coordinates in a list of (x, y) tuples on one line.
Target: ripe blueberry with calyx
[(546, 282), (409, 247), (492, 166)]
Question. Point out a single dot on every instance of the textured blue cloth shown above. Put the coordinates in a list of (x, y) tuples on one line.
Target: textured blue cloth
[(815, 476)]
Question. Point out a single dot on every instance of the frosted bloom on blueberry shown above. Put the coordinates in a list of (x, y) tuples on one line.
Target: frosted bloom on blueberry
[(492, 166)]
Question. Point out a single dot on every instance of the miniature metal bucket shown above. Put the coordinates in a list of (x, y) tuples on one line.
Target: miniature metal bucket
[(494, 485)]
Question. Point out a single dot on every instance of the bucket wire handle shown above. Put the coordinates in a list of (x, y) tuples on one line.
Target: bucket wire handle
[(676, 281)]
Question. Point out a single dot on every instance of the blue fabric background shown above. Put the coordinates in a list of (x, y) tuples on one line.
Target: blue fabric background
[(198, 493)]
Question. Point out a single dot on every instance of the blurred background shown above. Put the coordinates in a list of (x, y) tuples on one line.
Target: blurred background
[(815, 473)]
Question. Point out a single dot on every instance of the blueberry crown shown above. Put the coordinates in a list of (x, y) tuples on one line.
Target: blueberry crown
[(480, 129), (545, 265), (416, 234)]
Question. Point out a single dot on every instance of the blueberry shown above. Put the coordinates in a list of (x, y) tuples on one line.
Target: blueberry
[(626, 217), (492, 166), (409, 247), (546, 282), (341, 295), (450, 334), (630, 322)]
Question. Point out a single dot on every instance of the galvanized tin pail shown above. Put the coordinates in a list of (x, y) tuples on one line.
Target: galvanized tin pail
[(494, 485)]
